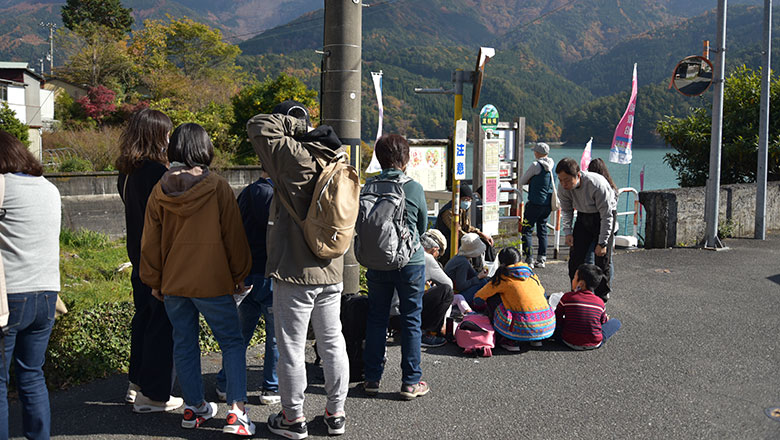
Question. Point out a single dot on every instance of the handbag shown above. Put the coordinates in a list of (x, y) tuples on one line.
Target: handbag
[(555, 204)]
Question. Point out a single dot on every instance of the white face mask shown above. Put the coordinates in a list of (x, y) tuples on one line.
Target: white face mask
[(465, 205)]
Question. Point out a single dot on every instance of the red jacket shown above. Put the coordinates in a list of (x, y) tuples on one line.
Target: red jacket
[(581, 314)]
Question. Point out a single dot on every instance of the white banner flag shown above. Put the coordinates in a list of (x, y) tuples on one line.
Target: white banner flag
[(620, 151), (374, 166)]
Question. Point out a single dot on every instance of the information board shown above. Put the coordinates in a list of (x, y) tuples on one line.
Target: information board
[(490, 183), (428, 166)]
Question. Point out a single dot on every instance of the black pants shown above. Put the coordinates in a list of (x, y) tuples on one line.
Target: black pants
[(586, 232), (436, 301), (151, 344)]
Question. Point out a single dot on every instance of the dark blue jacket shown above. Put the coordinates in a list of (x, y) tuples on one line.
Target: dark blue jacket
[(255, 203)]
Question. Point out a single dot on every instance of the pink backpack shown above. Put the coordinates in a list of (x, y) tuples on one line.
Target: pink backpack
[(475, 335)]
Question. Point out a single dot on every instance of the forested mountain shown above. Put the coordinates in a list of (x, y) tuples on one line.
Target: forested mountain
[(659, 50), (23, 39), (563, 64)]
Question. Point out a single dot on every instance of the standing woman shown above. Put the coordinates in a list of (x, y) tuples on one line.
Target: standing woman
[(392, 151), (30, 250), (142, 162)]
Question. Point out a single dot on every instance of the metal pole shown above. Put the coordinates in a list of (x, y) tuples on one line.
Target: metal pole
[(51, 49), (763, 130), (457, 78), (713, 183), (340, 92)]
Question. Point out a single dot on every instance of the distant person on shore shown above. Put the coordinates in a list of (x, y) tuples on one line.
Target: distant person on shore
[(306, 287), (195, 256), (255, 205), (537, 210), (581, 319), (594, 200), (516, 304), (141, 163), (30, 211), (466, 280), (599, 166), (444, 221)]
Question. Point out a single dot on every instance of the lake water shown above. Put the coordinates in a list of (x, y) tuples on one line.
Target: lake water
[(658, 175)]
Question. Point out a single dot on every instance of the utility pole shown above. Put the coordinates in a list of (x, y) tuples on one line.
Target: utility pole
[(51, 27), (763, 130), (711, 240), (340, 92)]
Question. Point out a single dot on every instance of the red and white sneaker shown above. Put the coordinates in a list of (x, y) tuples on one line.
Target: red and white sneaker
[(238, 423), (194, 417)]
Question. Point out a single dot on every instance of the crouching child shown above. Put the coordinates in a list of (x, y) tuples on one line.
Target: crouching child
[(581, 319)]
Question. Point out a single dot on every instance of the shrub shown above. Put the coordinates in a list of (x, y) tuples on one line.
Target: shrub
[(99, 103), (99, 147), (12, 125), (75, 165)]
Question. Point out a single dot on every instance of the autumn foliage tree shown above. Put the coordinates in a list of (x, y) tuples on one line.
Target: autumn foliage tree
[(99, 103), (76, 14)]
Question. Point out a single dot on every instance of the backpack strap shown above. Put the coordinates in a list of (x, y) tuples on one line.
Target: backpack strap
[(4, 310)]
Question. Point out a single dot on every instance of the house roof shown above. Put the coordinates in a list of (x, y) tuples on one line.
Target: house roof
[(13, 83), (13, 65)]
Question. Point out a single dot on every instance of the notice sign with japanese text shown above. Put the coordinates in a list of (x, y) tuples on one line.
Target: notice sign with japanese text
[(428, 166), (459, 162), (490, 206)]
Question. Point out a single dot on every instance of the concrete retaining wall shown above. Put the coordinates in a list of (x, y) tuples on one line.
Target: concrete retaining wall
[(675, 217), (91, 200)]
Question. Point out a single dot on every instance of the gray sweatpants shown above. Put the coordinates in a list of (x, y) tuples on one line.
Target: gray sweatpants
[(294, 305)]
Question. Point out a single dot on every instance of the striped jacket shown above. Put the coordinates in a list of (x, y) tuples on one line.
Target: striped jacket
[(580, 315)]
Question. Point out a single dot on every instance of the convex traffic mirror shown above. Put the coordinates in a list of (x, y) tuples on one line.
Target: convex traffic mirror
[(693, 75)]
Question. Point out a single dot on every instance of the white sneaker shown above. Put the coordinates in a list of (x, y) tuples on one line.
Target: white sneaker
[(239, 424), (194, 417), (540, 262), (144, 404), (132, 391)]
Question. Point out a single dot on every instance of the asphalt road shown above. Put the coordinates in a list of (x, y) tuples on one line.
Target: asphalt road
[(697, 357)]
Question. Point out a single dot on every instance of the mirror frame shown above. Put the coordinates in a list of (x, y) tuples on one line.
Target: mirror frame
[(702, 60)]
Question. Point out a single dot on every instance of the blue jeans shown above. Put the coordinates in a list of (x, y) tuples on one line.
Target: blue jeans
[(609, 328), (222, 317), (258, 303), (469, 293), (409, 281), (535, 216), (29, 327)]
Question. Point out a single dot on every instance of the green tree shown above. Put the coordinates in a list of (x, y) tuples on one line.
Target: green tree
[(107, 13), (12, 125), (690, 135), (96, 55), (186, 62), (261, 97)]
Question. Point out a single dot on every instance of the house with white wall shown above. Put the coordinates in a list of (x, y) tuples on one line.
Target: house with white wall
[(21, 88)]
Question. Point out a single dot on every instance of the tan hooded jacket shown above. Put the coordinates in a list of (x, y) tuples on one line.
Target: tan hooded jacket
[(193, 243)]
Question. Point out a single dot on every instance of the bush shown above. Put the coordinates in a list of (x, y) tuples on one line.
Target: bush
[(74, 165), (93, 339), (99, 147), (12, 125)]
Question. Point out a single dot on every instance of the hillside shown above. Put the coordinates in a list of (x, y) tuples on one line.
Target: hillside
[(22, 39), (658, 51)]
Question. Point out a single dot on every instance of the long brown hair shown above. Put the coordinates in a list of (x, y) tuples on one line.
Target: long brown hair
[(597, 165), (16, 158), (145, 137)]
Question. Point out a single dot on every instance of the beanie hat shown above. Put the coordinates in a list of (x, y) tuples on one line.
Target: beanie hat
[(471, 245), (292, 108), (542, 148), (438, 238), (465, 191)]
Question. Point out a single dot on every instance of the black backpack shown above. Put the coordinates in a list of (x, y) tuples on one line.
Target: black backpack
[(354, 312)]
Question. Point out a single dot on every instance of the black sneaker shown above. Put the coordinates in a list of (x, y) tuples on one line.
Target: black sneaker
[(429, 340), (268, 397), (295, 429), (371, 388), (337, 423)]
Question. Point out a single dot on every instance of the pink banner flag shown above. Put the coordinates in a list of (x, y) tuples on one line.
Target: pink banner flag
[(620, 152), (585, 161)]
